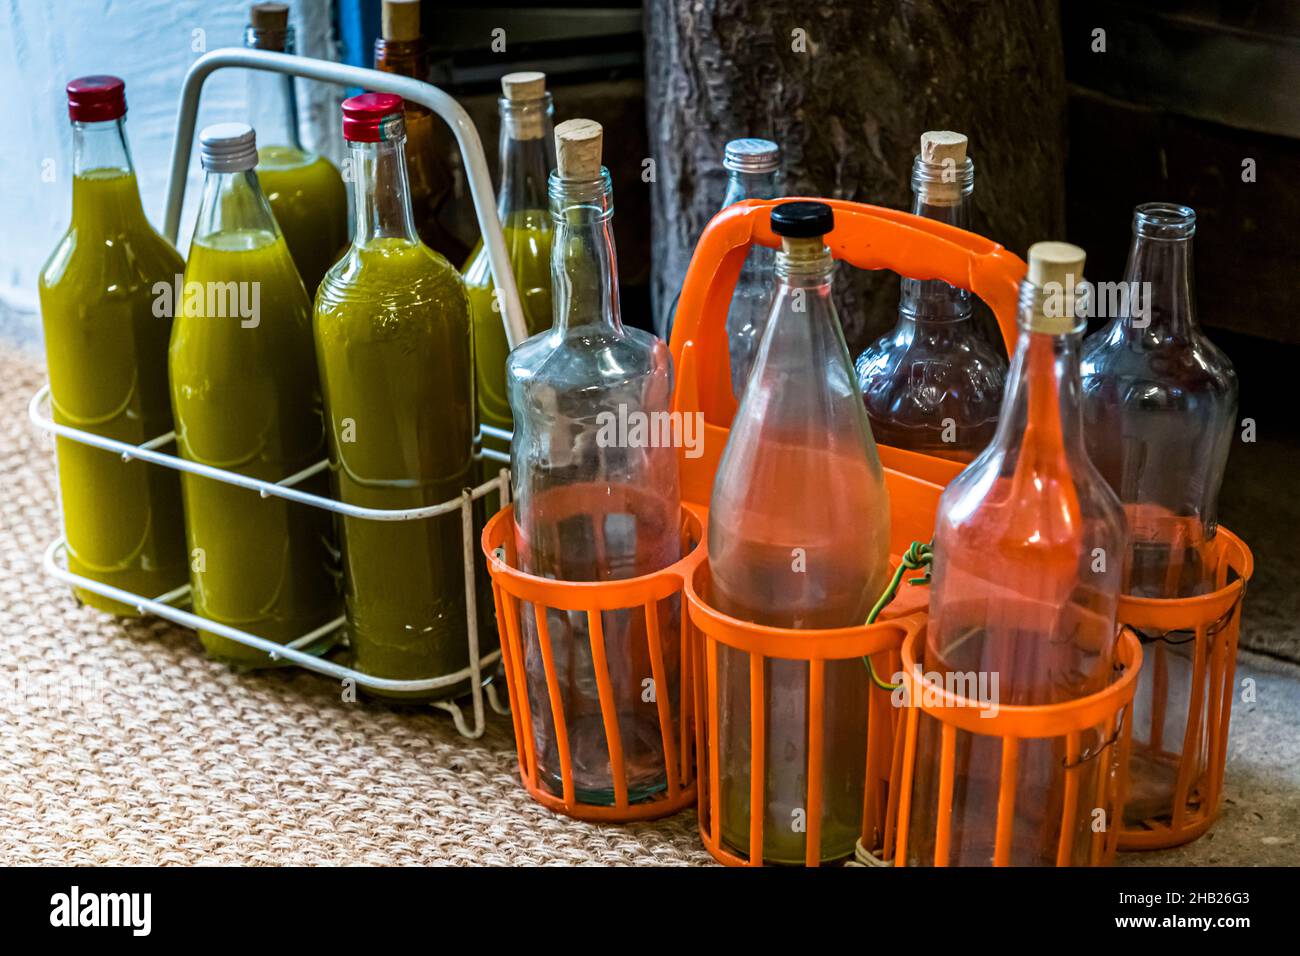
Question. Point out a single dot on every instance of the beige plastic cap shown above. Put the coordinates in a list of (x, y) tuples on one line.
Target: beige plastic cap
[(1057, 269), (527, 85), (940, 144), (577, 149), (269, 16), (401, 20)]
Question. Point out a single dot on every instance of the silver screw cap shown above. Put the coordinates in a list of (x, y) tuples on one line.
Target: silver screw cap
[(228, 148)]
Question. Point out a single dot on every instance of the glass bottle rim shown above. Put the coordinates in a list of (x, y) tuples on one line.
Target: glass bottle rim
[(260, 38), (937, 174), (1164, 220), (565, 194)]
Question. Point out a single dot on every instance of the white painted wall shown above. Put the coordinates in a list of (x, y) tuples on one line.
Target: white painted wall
[(150, 44)]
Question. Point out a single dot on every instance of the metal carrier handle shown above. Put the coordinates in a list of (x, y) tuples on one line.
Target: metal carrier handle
[(475, 163)]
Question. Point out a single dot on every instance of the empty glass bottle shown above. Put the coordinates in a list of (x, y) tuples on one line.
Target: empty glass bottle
[(798, 537), (593, 502), (395, 350), (933, 384), (753, 172), (1160, 402), (1029, 551), (246, 399), (304, 189), (106, 348)]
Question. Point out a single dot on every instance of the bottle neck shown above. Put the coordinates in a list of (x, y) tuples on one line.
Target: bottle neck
[(942, 194), (584, 265), (272, 98), (234, 202), (805, 264), (1043, 407), (743, 185), (526, 138), (1160, 303), (382, 195), (100, 153)]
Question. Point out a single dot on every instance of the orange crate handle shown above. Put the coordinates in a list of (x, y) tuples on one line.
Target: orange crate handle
[(868, 237)]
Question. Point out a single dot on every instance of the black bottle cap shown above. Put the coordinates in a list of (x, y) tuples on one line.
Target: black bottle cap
[(802, 220)]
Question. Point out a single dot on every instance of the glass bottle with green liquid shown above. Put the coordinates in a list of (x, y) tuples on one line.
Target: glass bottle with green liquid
[(106, 338), (522, 204), (247, 399), (395, 351), (304, 189)]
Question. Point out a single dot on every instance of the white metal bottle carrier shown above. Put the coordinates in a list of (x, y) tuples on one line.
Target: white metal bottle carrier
[(166, 605)]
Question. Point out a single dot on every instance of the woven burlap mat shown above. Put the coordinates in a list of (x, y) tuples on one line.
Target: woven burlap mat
[(120, 743)]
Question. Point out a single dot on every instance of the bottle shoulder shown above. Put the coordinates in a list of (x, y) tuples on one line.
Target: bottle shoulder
[(390, 275), (587, 359), (1155, 372)]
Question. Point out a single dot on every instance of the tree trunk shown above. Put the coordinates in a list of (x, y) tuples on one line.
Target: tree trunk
[(846, 87)]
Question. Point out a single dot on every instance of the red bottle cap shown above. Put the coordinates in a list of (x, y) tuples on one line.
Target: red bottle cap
[(93, 99), (365, 116)]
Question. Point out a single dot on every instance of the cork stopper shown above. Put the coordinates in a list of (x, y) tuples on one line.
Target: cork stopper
[(939, 174), (938, 145), (271, 17), (400, 20), (577, 149), (1055, 268), (524, 86)]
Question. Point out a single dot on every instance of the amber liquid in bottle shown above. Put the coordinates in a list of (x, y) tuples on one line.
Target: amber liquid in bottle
[(932, 384), (401, 49)]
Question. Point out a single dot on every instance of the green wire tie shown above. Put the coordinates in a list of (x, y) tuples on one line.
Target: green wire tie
[(917, 556)]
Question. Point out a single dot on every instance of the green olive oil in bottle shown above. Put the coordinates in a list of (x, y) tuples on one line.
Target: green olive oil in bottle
[(304, 189), (247, 399), (106, 335), (522, 203), (395, 351)]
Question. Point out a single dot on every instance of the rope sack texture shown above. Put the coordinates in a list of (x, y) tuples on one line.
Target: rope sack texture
[(121, 743)]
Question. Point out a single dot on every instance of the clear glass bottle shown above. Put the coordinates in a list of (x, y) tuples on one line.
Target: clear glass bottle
[(304, 189), (1029, 553), (522, 204), (401, 49), (106, 349), (1160, 402), (799, 538), (933, 384), (592, 504), (753, 172), (246, 399), (395, 350)]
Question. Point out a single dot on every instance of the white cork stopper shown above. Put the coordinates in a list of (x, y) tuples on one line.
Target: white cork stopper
[(1057, 269), (938, 145), (523, 86), (943, 147), (577, 149), (525, 114)]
